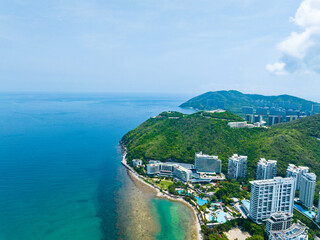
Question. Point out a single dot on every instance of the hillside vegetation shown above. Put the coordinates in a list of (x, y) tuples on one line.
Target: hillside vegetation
[(234, 101), (176, 136)]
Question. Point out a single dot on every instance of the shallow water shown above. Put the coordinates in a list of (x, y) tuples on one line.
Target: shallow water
[(61, 176)]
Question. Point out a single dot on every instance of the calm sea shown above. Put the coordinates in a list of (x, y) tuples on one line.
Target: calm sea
[(60, 171)]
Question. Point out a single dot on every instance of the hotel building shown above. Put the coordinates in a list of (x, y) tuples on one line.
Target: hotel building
[(207, 163), (266, 169), (237, 167), (307, 188), (296, 172), (270, 196)]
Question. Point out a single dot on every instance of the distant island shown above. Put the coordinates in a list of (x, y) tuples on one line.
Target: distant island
[(170, 140), (283, 107)]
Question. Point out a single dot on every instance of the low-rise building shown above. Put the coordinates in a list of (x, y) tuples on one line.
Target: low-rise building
[(136, 162), (153, 168), (237, 124), (279, 221), (169, 170), (295, 232), (182, 173)]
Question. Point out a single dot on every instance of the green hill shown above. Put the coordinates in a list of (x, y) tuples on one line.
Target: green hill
[(234, 101), (176, 136)]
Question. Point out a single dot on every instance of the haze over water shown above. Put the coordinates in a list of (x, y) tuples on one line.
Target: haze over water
[(61, 176)]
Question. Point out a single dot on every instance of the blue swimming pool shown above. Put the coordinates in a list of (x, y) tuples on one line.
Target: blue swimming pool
[(309, 214), (201, 201), (222, 216)]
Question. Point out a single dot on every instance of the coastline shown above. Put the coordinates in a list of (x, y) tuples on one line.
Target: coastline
[(158, 194)]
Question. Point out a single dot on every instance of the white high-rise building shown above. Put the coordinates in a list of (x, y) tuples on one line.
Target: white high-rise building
[(296, 172), (270, 196), (266, 169), (307, 188), (237, 166), (207, 163)]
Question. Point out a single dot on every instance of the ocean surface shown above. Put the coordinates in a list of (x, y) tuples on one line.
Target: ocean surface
[(60, 171)]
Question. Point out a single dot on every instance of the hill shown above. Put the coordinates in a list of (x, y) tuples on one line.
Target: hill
[(234, 101), (176, 136)]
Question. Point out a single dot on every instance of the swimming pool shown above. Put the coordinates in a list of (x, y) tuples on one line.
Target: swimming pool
[(309, 214), (222, 216), (201, 201)]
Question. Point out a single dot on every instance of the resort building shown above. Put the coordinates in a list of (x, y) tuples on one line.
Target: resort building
[(182, 173), (307, 188), (270, 196), (266, 169), (207, 163), (169, 170), (153, 168), (136, 162), (296, 173), (279, 221), (295, 232), (237, 124), (237, 167)]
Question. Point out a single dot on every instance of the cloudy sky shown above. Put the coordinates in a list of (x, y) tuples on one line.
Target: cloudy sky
[(175, 46)]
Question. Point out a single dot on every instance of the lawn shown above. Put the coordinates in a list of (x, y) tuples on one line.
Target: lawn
[(164, 184)]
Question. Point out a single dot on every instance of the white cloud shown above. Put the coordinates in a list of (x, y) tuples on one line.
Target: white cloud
[(277, 68), (301, 50)]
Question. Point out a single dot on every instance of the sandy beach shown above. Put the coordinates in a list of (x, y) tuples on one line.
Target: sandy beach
[(138, 181)]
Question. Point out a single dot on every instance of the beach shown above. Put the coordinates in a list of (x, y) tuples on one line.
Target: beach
[(140, 183)]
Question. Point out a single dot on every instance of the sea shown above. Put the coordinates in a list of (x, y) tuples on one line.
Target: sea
[(60, 171)]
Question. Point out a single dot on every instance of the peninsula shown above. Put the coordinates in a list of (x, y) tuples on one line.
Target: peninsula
[(210, 161)]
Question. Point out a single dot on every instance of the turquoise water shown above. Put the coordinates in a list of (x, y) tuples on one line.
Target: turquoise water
[(60, 163), (221, 216), (201, 201), (173, 221), (310, 214)]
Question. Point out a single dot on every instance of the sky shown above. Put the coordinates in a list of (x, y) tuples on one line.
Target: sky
[(170, 46)]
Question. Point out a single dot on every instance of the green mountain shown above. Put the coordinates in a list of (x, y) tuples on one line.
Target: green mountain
[(176, 136), (234, 101)]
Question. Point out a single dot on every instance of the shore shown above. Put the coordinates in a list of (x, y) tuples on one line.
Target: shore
[(158, 194)]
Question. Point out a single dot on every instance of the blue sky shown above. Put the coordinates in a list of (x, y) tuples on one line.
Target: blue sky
[(254, 46)]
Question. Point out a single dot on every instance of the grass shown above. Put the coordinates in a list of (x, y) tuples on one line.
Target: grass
[(164, 184)]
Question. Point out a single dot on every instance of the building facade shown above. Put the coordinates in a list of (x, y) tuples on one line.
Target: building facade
[(270, 196), (182, 173), (266, 169), (296, 173), (136, 162), (307, 188), (278, 221), (207, 163), (170, 170), (295, 232), (237, 167)]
